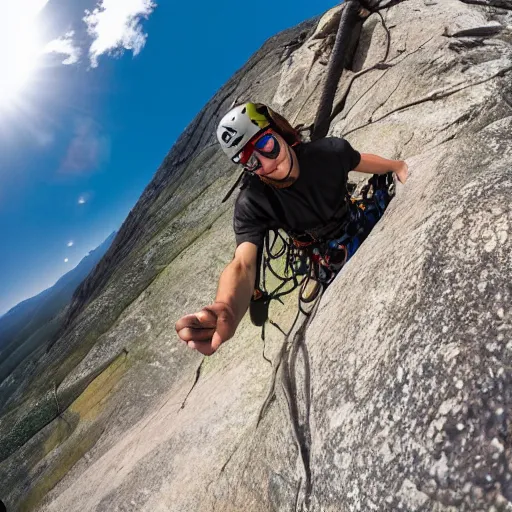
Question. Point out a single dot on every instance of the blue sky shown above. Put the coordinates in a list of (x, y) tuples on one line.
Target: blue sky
[(93, 94)]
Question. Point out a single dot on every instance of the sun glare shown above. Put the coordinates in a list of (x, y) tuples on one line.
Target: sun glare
[(20, 47)]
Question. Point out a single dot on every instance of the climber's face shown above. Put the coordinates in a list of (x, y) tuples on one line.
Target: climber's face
[(272, 158)]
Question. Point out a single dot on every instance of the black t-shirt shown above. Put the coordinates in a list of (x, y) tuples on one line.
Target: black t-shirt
[(312, 201)]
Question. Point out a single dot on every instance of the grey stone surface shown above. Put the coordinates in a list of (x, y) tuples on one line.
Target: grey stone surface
[(398, 398)]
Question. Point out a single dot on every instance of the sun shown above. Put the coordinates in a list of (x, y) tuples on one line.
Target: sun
[(20, 47)]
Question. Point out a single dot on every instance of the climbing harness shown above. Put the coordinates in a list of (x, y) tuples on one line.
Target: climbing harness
[(310, 263)]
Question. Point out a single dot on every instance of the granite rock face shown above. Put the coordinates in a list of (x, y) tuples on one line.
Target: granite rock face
[(397, 397)]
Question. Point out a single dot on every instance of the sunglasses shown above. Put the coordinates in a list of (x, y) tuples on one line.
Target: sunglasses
[(266, 144)]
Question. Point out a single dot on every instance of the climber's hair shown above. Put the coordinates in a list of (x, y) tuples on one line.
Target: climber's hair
[(279, 124)]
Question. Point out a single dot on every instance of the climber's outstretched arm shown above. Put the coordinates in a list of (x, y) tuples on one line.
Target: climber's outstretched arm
[(236, 283), (374, 164), (207, 329)]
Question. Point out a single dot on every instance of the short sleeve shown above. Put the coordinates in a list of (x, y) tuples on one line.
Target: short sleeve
[(348, 156), (248, 222)]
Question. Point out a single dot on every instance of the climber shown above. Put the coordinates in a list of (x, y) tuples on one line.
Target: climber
[(291, 185)]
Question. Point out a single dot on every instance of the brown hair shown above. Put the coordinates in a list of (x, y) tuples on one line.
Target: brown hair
[(280, 124)]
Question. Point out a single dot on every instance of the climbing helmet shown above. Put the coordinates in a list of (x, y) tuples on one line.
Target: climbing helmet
[(238, 127)]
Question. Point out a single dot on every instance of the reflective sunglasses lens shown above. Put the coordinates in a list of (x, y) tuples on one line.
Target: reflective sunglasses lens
[(263, 141), (268, 146)]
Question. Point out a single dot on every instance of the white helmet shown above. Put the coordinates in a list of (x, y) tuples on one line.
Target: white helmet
[(239, 126)]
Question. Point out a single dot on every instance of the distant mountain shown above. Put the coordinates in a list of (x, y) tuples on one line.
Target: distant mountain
[(24, 320)]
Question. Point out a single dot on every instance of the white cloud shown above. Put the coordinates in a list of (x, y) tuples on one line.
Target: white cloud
[(116, 26), (66, 260), (71, 243), (65, 46), (81, 200)]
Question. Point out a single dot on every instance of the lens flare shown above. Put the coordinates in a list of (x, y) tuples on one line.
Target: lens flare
[(20, 47)]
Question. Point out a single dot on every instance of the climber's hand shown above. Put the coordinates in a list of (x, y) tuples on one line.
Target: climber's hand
[(207, 329), (402, 171)]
